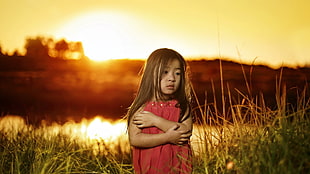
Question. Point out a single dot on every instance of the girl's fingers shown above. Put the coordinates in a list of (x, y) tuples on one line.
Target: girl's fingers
[(183, 140), (137, 118), (186, 135), (180, 142), (137, 122)]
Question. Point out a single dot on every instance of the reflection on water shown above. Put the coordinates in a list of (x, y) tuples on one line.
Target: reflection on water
[(98, 133), (96, 128)]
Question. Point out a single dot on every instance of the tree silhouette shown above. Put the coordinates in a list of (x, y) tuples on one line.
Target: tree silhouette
[(37, 47), (1, 53), (76, 50), (43, 47), (16, 53), (69, 50), (61, 47)]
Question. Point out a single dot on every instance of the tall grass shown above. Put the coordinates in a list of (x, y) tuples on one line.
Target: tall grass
[(40, 151), (256, 139)]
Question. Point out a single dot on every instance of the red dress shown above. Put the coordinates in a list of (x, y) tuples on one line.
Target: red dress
[(167, 158)]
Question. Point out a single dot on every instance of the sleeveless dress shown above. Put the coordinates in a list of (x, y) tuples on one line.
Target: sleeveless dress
[(167, 158)]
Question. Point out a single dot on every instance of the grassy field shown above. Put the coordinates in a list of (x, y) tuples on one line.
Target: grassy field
[(59, 149), (271, 142), (256, 139)]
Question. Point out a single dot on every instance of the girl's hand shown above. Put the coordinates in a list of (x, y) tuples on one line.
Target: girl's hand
[(178, 137), (183, 128), (144, 119)]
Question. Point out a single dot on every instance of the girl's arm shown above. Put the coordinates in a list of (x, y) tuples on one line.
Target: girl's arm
[(145, 119), (172, 135)]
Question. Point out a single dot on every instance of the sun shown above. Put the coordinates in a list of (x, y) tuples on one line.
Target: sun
[(103, 35)]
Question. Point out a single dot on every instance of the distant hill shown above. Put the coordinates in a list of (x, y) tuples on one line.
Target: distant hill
[(58, 90)]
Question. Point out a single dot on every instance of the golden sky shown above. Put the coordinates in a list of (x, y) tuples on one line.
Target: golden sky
[(274, 32)]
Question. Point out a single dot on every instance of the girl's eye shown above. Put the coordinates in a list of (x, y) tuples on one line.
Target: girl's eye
[(166, 72), (177, 73)]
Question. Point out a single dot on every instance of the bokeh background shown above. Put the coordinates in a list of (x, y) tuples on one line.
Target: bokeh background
[(62, 60)]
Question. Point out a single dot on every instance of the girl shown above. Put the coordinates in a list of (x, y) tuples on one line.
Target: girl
[(159, 119)]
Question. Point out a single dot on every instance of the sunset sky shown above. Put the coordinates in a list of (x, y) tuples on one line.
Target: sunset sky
[(273, 32)]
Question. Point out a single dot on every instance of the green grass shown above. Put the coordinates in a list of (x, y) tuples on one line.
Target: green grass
[(40, 151), (255, 139), (280, 146)]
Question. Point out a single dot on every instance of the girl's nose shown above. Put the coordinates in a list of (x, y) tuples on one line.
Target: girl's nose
[(171, 77)]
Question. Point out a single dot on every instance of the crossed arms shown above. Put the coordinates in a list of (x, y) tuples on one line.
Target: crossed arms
[(173, 132)]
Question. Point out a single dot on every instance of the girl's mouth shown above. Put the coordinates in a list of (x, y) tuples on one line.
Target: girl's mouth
[(170, 86)]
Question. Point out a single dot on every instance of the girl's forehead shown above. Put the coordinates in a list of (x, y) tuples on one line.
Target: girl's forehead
[(175, 63)]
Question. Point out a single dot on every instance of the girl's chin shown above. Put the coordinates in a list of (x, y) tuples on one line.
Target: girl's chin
[(168, 92)]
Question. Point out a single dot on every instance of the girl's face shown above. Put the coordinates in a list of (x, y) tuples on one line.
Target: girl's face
[(170, 80)]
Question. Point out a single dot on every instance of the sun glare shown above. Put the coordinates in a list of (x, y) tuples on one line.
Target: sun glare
[(103, 129), (103, 35)]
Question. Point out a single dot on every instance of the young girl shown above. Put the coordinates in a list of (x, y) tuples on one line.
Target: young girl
[(159, 119)]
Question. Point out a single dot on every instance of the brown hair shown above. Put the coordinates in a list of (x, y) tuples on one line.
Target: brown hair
[(149, 87)]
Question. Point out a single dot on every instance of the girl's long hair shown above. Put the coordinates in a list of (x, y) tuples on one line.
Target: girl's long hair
[(149, 87)]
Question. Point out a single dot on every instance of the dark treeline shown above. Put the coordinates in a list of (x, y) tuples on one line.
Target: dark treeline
[(257, 84), (43, 48), (55, 81)]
